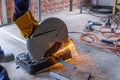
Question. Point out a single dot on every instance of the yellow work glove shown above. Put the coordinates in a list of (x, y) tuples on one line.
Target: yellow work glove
[(26, 23)]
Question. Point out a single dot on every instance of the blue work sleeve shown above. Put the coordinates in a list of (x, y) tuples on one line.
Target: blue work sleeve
[(20, 7), (3, 74)]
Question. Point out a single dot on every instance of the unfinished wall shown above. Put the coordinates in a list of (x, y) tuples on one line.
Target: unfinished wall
[(10, 9), (56, 5), (47, 6), (86, 3), (34, 7)]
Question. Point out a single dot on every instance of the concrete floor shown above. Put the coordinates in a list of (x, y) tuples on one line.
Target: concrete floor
[(102, 65)]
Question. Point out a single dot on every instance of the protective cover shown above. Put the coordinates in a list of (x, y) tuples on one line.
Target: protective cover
[(49, 32)]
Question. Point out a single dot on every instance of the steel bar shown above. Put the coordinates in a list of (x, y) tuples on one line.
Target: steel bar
[(4, 12), (81, 6), (39, 10), (66, 64), (55, 75), (71, 5)]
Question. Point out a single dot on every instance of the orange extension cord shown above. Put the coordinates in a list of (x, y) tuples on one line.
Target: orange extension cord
[(92, 40), (108, 33)]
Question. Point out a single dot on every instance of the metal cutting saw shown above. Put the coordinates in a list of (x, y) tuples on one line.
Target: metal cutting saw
[(48, 44)]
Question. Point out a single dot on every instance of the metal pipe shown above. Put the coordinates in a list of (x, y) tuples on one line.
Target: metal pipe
[(66, 64), (81, 6), (4, 12), (39, 10), (71, 6), (97, 2), (55, 75)]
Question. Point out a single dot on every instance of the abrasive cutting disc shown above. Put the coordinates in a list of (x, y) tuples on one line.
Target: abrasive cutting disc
[(48, 32)]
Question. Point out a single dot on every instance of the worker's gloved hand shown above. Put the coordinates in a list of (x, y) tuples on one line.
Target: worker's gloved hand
[(21, 6), (6, 57)]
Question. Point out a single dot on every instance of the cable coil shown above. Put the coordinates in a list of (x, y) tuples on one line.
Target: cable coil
[(92, 40)]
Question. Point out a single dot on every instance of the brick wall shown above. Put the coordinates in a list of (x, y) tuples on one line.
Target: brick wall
[(47, 6), (10, 9), (56, 5), (86, 3), (34, 7)]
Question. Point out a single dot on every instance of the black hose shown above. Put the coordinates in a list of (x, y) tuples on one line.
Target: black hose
[(102, 9)]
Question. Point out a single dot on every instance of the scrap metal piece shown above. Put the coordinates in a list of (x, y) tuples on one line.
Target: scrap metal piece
[(66, 64), (55, 75)]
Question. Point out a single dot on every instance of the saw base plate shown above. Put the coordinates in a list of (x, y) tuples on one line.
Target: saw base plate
[(32, 66)]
